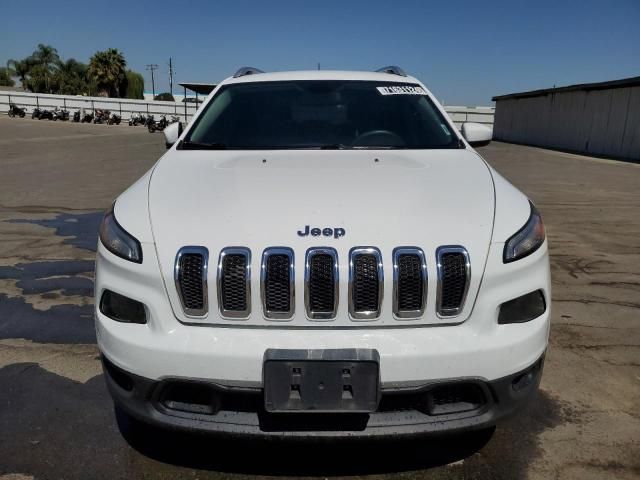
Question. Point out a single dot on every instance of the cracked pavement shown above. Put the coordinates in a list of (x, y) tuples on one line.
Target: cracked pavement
[(57, 420)]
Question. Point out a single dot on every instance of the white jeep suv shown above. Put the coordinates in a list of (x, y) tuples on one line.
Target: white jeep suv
[(322, 254)]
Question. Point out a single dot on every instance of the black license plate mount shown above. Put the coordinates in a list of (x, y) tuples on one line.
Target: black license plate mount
[(321, 381)]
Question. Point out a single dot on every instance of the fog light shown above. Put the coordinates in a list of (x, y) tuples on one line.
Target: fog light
[(522, 309), (528, 377), (523, 381), (122, 309)]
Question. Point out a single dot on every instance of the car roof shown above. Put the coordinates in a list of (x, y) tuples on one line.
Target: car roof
[(321, 75)]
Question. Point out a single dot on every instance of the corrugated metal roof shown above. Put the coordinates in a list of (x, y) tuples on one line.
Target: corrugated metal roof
[(625, 82)]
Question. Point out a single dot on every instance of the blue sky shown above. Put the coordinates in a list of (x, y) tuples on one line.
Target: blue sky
[(465, 51)]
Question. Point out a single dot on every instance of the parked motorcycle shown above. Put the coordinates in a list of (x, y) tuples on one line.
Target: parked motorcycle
[(60, 114), (159, 125), (137, 119), (114, 119), (76, 116), (45, 115), (88, 117), (174, 119), (101, 116), (15, 110), (36, 113)]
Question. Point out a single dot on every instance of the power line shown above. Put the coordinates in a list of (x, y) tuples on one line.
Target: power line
[(152, 67), (170, 76)]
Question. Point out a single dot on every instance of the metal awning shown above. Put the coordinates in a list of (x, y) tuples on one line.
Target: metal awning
[(625, 82), (199, 88)]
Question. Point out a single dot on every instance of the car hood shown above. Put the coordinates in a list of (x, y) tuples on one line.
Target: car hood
[(259, 199)]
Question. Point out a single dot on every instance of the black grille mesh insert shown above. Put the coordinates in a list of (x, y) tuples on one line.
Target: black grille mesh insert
[(277, 281), (190, 280), (321, 283), (454, 280), (233, 282), (410, 282), (365, 283)]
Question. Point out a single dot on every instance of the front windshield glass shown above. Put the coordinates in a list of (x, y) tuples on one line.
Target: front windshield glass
[(317, 114)]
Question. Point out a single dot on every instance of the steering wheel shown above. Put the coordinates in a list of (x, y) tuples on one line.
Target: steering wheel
[(375, 138)]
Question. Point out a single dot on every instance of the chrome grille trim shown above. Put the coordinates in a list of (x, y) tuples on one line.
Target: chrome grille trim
[(321, 315), (277, 315), (177, 273), (409, 314), (440, 252), (365, 314), (234, 314)]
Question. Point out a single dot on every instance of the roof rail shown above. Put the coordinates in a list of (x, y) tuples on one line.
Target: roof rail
[(393, 70), (246, 71)]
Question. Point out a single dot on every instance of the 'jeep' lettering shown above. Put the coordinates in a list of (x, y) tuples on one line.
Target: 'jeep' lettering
[(326, 232)]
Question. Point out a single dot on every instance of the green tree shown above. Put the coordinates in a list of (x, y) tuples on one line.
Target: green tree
[(71, 78), (39, 80), (19, 69), (135, 85), (45, 61), (165, 96), (5, 77), (107, 70)]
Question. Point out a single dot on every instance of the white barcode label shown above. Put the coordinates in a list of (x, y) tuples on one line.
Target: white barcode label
[(402, 90)]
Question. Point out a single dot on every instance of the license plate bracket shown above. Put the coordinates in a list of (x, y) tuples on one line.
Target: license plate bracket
[(321, 381)]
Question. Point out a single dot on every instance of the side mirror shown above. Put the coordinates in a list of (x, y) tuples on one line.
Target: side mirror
[(171, 133), (476, 134)]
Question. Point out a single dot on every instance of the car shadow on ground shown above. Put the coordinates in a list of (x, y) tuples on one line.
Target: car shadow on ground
[(300, 459)]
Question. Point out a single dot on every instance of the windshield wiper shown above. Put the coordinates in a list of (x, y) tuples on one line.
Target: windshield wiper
[(188, 145)]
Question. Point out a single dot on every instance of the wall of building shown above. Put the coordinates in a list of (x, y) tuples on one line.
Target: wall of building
[(126, 107), (603, 122)]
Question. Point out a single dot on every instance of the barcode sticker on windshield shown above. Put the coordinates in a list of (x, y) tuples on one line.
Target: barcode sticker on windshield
[(402, 90)]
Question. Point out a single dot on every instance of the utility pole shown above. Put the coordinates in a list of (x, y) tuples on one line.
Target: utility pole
[(152, 67), (170, 77)]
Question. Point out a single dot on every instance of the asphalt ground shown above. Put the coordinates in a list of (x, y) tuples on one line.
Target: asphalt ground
[(56, 417)]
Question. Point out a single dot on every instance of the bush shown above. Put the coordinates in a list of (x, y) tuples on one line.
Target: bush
[(165, 97)]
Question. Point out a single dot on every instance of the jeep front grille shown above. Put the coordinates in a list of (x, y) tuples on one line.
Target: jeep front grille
[(366, 281), (277, 283), (409, 282), (454, 274), (364, 299), (234, 282), (321, 283), (190, 275)]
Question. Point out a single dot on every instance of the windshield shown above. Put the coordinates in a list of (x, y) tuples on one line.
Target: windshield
[(320, 114)]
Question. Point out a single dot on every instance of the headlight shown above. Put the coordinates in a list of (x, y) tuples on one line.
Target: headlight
[(526, 240), (117, 240)]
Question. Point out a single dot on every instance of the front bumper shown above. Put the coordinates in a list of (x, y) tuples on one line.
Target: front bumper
[(202, 406), (413, 359)]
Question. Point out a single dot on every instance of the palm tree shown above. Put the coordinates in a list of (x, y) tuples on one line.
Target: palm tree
[(46, 57), (108, 70)]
